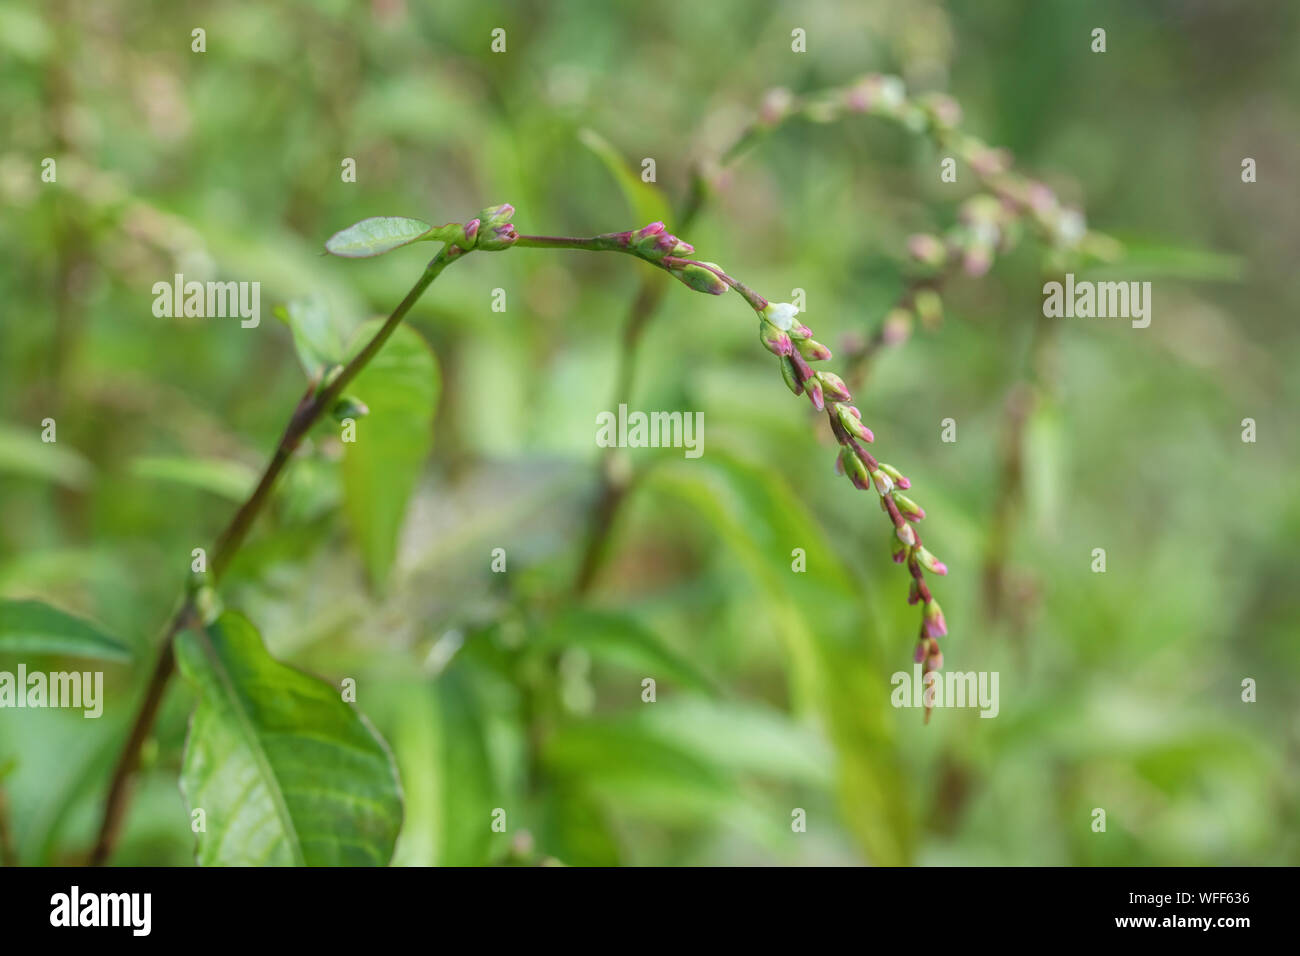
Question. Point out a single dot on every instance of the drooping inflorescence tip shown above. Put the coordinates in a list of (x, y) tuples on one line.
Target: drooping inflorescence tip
[(792, 343)]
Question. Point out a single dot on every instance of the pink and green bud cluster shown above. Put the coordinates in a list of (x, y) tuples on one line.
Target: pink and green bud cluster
[(495, 231), (491, 231), (654, 243), (794, 347)]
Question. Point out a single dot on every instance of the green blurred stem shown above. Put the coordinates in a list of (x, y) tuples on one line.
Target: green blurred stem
[(8, 854), (614, 484), (314, 403)]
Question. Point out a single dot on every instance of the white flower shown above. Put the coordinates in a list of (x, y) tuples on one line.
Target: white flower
[(781, 314), (892, 92), (1071, 226)]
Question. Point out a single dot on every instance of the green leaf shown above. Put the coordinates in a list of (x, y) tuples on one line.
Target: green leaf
[(466, 785), (440, 736), (285, 771), (377, 235), (23, 453), (400, 386), (34, 627), (759, 519), (229, 479), (1146, 260), (316, 338), (646, 202), (622, 640), (640, 773)]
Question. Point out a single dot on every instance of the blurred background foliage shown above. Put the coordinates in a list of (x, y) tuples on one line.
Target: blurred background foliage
[(1118, 690)]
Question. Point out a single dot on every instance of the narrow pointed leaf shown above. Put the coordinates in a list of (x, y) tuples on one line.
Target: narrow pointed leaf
[(232, 480), (33, 627), (23, 453), (376, 235), (646, 201)]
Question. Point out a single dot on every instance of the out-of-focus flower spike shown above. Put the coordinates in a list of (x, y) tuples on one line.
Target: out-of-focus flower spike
[(897, 326), (929, 307), (977, 259), (775, 106), (928, 250), (944, 112)]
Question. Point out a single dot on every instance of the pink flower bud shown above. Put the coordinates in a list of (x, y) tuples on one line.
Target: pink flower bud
[(989, 162), (935, 625), (496, 215), (978, 259), (853, 467), (943, 110), (897, 327), (813, 351), (898, 550), (670, 245), (700, 279), (1040, 199), (900, 480), (908, 508), (851, 421), (773, 339), (927, 250), (815, 395), (775, 106), (834, 387), (930, 562)]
